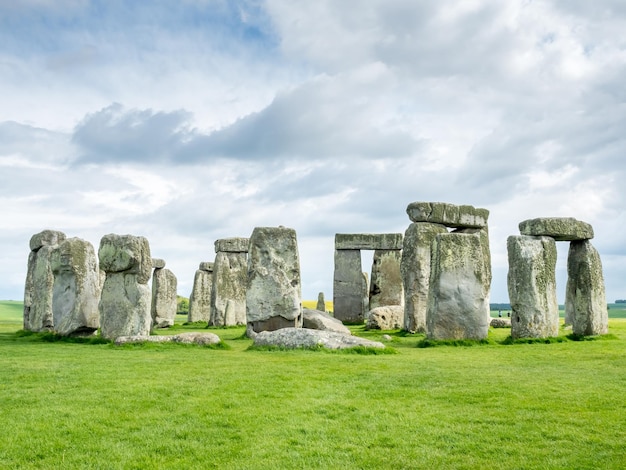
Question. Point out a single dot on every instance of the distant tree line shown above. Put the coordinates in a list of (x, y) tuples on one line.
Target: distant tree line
[(620, 301)]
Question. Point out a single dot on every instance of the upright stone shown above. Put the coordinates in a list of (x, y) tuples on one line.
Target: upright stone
[(459, 288), (321, 303), (200, 298), (164, 301), (532, 286), (386, 284), (38, 314), (273, 295), (415, 270), (125, 301), (76, 290), (585, 300), (348, 287), (228, 295)]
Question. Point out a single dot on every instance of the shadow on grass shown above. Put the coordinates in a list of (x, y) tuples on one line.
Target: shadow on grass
[(363, 350)]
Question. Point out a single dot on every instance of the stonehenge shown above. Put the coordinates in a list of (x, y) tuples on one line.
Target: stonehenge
[(531, 284)]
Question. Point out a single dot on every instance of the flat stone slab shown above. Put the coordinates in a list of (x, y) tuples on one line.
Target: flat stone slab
[(500, 323), (232, 245), (202, 339), (563, 229), (318, 320), (158, 263), (295, 338), (449, 215), (368, 241), (206, 266)]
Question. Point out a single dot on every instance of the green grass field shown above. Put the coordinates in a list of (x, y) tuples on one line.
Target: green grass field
[(73, 405)]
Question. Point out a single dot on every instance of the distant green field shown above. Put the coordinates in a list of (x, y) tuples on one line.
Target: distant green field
[(72, 405)]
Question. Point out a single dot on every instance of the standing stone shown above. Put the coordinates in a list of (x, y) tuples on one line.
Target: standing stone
[(532, 286), (76, 290), (38, 315), (585, 300), (273, 296), (365, 295), (321, 304), (386, 283), (164, 301), (228, 295), (348, 287), (415, 269), (125, 301), (200, 298), (459, 288)]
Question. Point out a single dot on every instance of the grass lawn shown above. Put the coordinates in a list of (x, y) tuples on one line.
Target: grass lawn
[(73, 405)]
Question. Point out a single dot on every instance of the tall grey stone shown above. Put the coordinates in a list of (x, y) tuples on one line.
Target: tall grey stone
[(532, 286), (228, 295), (76, 290), (39, 285), (585, 299), (273, 295), (125, 300), (365, 295), (459, 284), (200, 298), (164, 301), (415, 270), (386, 283), (348, 287), (321, 303)]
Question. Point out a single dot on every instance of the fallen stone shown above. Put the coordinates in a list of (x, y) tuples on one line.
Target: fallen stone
[(295, 338), (368, 241), (318, 320), (585, 297), (559, 228), (389, 317), (500, 323), (449, 215), (202, 339), (273, 294)]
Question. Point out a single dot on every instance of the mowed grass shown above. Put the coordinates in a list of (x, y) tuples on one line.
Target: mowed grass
[(69, 405)]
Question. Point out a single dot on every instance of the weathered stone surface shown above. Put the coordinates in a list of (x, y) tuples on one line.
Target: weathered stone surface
[(321, 303), (202, 339), (458, 306), (385, 318), (415, 270), (349, 287), (232, 245), (294, 338), (449, 215), (559, 228), (206, 266), (46, 237), (200, 298), (318, 320), (228, 296), (124, 306), (386, 283), (368, 241), (76, 290), (158, 263), (273, 293), (126, 253), (125, 300), (164, 302), (38, 289), (500, 323), (585, 299), (532, 286)]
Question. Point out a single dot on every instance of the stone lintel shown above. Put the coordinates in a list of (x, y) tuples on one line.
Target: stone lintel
[(560, 228), (47, 237), (449, 215), (232, 245), (158, 263), (206, 266), (368, 241)]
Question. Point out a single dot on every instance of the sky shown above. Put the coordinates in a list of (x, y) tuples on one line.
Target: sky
[(193, 120)]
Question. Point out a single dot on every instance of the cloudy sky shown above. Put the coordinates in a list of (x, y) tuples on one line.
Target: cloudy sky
[(188, 121)]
